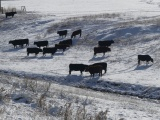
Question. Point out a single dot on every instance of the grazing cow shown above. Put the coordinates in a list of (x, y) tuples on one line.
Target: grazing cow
[(146, 58), (105, 43), (77, 67), (101, 50), (33, 50), (61, 46), (94, 69), (66, 42), (51, 50), (10, 14), (103, 64), (20, 42), (41, 43), (77, 32), (62, 33)]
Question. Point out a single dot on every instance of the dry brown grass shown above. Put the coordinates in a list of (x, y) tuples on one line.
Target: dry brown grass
[(79, 21)]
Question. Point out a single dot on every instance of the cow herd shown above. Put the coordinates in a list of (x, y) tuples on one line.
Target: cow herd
[(62, 45), (103, 47)]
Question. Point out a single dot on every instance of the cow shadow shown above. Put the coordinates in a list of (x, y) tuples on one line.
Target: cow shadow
[(75, 40), (73, 78), (46, 57), (13, 49), (94, 58), (143, 67), (58, 53), (29, 57), (56, 41)]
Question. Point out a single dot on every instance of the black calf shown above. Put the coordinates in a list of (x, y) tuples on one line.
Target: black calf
[(33, 50), (77, 32), (77, 67), (62, 33), (105, 43), (41, 43), (146, 58), (20, 42), (50, 50), (10, 14)]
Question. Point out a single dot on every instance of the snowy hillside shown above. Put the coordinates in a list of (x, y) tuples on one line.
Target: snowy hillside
[(132, 24)]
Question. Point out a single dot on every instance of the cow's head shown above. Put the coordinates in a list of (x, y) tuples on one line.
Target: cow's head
[(112, 41), (35, 43), (10, 42), (87, 68), (151, 60)]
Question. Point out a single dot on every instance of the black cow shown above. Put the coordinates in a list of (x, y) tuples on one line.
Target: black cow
[(51, 50), (10, 14), (66, 42), (33, 50), (94, 69), (62, 33), (146, 58), (20, 42), (101, 50), (77, 67), (41, 43), (105, 43), (61, 46), (103, 64), (77, 32)]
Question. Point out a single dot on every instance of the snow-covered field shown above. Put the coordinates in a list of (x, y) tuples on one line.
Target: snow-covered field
[(132, 24)]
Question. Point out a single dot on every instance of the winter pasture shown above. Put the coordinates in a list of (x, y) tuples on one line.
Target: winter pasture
[(134, 25)]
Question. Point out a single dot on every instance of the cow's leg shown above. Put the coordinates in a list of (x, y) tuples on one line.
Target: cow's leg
[(147, 62), (69, 71), (138, 62), (94, 53), (105, 70), (91, 75), (81, 72), (99, 73), (27, 53)]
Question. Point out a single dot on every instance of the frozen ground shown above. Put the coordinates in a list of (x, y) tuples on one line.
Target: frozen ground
[(20, 101), (82, 7), (134, 28), (132, 37)]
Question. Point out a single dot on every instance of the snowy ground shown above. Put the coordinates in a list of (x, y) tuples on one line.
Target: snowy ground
[(20, 101), (134, 28)]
